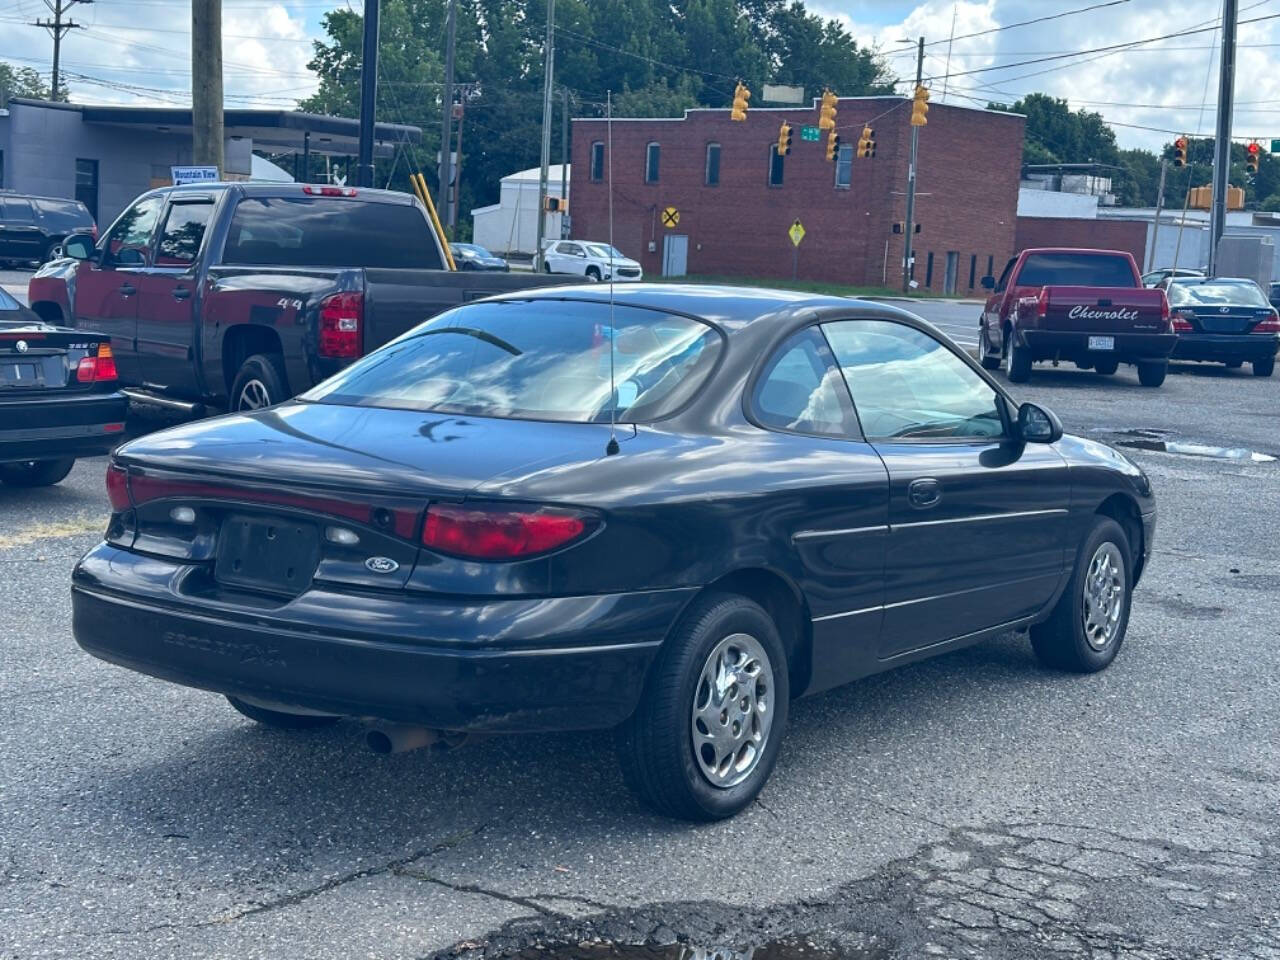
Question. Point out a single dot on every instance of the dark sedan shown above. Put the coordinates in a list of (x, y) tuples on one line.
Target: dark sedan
[(669, 515), (1224, 320), (59, 398), (472, 256)]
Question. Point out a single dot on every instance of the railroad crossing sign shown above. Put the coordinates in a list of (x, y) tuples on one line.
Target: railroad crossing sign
[(796, 232), (810, 132), (670, 217)]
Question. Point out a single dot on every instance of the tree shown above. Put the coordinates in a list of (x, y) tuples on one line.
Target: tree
[(1067, 136), (24, 82)]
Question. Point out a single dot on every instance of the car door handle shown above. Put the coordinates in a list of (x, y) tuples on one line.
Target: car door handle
[(181, 293), (127, 290), (924, 493)]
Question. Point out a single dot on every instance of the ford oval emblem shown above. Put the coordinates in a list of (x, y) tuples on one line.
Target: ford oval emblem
[(21, 346), (382, 565)]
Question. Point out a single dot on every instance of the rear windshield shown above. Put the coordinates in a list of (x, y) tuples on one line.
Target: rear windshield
[(329, 232), (1076, 270), (1216, 294), (535, 360), (7, 302)]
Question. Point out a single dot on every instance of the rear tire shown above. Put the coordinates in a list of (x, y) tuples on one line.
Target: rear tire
[(1152, 374), (665, 760), (1264, 368), (989, 360), (280, 719), (52, 251), (36, 473), (1017, 358), (1106, 367), (260, 383), (1087, 627)]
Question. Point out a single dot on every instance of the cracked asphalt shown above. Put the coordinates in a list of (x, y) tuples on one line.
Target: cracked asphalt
[(974, 805)]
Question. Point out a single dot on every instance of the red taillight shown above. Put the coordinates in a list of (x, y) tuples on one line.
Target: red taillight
[(1270, 325), (1182, 322), (1164, 307), (341, 316), (118, 487), (1042, 303), (329, 191), (97, 369), (501, 533)]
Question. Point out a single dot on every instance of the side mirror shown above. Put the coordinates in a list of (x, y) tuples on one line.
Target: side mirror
[(1038, 425), (988, 282), (78, 246)]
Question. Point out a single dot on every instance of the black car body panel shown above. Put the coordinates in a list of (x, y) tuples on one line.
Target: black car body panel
[(821, 530), (33, 227)]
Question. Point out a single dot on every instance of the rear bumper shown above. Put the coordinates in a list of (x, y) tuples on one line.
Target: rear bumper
[(50, 428), (1226, 346), (1074, 345), (503, 665)]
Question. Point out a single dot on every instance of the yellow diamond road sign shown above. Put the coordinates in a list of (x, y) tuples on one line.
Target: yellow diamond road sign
[(796, 232), (670, 217)]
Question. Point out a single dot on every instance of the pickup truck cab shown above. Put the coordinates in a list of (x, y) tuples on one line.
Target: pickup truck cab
[(1085, 306), (240, 295)]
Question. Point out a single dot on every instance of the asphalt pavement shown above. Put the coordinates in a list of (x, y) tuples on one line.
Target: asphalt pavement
[(973, 805)]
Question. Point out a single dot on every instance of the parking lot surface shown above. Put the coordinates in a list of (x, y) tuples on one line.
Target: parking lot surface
[(973, 805)]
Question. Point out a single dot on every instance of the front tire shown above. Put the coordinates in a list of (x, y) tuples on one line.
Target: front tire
[(1153, 374), (279, 719), (260, 383), (593, 274), (36, 473), (706, 735), (1017, 358), (1087, 627), (1264, 368)]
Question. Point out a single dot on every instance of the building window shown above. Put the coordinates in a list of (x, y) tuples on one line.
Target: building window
[(713, 164), (597, 161), (844, 166), (652, 158), (87, 185), (776, 163), (991, 263), (973, 269), (928, 270)]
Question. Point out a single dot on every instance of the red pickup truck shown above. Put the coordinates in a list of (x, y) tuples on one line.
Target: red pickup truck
[(1085, 306)]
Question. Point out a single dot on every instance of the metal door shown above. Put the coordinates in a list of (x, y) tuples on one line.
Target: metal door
[(675, 255)]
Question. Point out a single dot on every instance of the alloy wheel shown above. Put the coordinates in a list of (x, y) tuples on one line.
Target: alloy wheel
[(253, 396), (1104, 595), (732, 710)]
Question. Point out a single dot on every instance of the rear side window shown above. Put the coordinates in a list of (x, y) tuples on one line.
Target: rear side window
[(801, 390), (329, 232), (183, 233), (16, 210), (1076, 270), (536, 360)]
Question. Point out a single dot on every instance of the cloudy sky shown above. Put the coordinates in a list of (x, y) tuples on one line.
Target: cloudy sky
[(137, 51)]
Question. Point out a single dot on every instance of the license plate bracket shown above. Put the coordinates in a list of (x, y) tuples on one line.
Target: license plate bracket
[(272, 554), (1102, 343)]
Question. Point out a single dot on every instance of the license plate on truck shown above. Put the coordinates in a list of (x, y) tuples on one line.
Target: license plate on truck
[(1102, 343)]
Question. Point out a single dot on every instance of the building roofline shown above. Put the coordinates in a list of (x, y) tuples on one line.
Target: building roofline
[(793, 109)]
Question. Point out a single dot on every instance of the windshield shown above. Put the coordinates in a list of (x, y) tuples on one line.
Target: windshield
[(1076, 270), (1241, 293), (604, 251), (535, 360)]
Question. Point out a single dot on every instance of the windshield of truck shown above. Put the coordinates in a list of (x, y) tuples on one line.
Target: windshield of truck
[(1076, 270), (329, 232)]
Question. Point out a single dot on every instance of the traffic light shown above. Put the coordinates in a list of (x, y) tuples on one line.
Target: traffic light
[(1253, 153), (833, 144), (827, 115), (740, 97), (784, 139), (1180, 152), (867, 142), (920, 107)]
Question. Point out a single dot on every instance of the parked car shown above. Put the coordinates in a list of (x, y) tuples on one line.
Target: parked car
[(451, 535), (59, 399), (32, 229), (472, 256), (595, 261), (243, 294), (1273, 296), (1224, 320), (1085, 306), (1155, 277)]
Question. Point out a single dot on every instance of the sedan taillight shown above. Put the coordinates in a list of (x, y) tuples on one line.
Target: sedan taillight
[(118, 488), (341, 316), (1270, 325), (97, 369), (1182, 322), (492, 532)]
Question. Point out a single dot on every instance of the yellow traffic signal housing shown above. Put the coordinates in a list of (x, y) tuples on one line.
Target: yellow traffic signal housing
[(920, 107), (784, 139), (1253, 153), (557, 205), (740, 97), (827, 113), (833, 144), (1180, 152), (867, 142)]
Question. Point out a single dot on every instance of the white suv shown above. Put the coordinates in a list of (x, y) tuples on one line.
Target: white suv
[(586, 258)]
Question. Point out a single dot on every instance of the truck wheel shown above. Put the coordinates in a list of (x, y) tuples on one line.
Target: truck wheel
[(1152, 374), (36, 473), (1086, 628), (990, 360), (1017, 359), (706, 734), (260, 383), (1107, 366), (280, 719), (1264, 368)]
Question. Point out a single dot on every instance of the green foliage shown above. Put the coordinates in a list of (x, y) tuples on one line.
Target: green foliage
[(25, 82), (1063, 135)]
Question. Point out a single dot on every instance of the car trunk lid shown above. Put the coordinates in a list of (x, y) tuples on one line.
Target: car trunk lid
[(1237, 318), (40, 358)]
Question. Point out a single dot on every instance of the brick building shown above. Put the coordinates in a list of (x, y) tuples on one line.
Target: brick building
[(736, 199)]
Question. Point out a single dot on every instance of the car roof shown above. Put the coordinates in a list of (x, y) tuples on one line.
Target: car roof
[(16, 195)]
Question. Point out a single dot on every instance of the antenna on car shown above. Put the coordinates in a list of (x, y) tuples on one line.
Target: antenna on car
[(612, 447)]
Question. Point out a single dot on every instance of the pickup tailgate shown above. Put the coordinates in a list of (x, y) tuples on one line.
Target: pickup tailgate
[(1109, 310)]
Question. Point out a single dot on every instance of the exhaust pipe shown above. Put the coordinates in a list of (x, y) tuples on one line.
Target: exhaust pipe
[(400, 738)]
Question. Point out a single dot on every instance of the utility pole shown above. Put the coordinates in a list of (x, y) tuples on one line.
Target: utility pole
[(368, 94), (1222, 145), (207, 144), (911, 180), (1155, 229), (548, 77), (564, 162), (58, 28), (459, 110), (446, 113)]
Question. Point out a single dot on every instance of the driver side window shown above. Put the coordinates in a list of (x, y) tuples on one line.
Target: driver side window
[(128, 242)]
